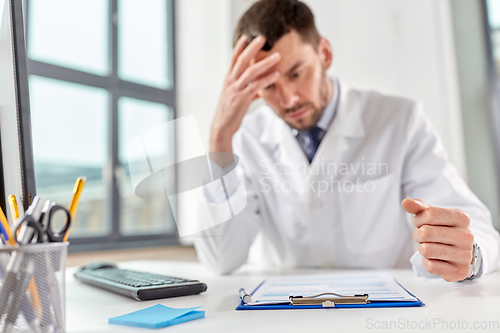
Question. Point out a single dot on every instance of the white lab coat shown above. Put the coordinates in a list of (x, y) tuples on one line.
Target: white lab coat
[(349, 217)]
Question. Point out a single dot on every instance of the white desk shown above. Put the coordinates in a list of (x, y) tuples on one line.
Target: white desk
[(88, 308)]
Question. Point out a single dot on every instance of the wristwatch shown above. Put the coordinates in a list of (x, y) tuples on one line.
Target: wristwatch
[(476, 264)]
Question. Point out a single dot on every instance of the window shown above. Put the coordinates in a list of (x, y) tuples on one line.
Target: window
[(493, 19), (100, 72)]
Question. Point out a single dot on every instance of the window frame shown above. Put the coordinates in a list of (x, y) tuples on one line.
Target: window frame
[(116, 88), (493, 86)]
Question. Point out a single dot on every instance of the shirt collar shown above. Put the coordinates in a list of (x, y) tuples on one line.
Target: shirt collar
[(329, 113)]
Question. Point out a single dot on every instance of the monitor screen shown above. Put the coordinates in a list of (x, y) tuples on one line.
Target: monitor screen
[(17, 172)]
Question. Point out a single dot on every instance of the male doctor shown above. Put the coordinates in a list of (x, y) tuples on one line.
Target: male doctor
[(326, 167)]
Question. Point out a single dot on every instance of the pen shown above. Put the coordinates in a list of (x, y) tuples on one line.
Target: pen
[(6, 227), (3, 235), (42, 279), (244, 296), (16, 258), (20, 286), (14, 212), (35, 298), (77, 190), (26, 308)]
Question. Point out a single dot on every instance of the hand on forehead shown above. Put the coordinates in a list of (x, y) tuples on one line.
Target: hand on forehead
[(264, 55), (291, 48)]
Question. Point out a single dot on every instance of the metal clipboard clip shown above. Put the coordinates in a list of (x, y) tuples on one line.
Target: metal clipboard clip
[(328, 302)]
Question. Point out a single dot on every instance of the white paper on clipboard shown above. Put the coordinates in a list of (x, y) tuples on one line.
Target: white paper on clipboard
[(379, 287)]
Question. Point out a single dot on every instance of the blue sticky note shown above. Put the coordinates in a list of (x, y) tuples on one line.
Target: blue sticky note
[(157, 316)]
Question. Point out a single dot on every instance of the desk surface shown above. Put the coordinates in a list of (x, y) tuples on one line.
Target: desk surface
[(466, 304)]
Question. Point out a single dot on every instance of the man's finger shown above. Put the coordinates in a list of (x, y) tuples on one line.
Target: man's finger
[(444, 235), (448, 271), (443, 217), (444, 252), (414, 206), (246, 55), (256, 70), (238, 48), (253, 87)]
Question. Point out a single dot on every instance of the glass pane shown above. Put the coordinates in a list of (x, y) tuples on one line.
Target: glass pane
[(494, 13), (72, 34), (493, 7), (143, 43), (70, 139), (138, 215), (495, 43)]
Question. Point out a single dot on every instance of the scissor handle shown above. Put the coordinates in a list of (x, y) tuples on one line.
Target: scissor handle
[(57, 236), (29, 222)]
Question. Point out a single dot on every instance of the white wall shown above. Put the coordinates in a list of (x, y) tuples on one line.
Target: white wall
[(403, 48), (203, 50)]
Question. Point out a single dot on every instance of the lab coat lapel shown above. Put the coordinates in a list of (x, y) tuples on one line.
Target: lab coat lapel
[(348, 123), (287, 149), (290, 149)]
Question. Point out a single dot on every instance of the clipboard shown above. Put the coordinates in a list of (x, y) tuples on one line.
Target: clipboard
[(355, 301)]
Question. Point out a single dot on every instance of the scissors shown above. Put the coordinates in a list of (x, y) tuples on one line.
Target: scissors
[(34, 229)]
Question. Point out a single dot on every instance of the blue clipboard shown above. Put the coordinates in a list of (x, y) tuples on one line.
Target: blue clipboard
[(372, 304)]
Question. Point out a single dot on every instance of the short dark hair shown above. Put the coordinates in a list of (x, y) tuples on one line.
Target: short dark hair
[(275, 18)]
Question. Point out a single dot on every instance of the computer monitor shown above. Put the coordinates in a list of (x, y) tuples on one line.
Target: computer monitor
[(16, 155)]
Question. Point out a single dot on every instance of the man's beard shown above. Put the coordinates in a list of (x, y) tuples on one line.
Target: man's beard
[(317, 112)]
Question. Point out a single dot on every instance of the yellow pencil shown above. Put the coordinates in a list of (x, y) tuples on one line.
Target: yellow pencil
[(6, 227), (35, 298), (14, 211), (77, 191)]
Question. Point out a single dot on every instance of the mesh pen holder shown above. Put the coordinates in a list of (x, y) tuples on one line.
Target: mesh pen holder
[(32, 288)]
